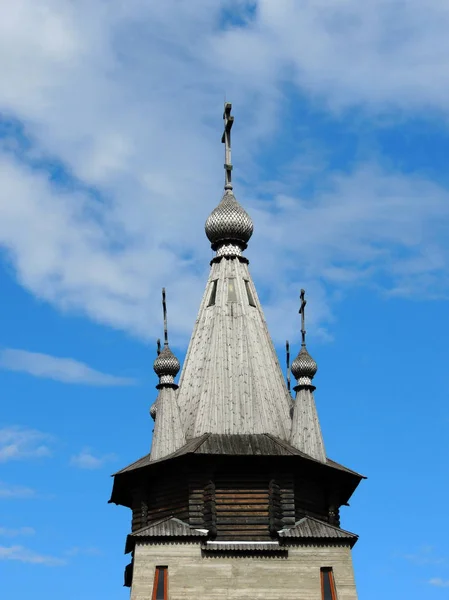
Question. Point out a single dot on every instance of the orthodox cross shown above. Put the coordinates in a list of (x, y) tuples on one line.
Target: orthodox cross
[(301, 312), (164, 308), (226, 140)]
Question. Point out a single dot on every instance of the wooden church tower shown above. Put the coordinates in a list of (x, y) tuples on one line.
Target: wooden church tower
[(237, 498)]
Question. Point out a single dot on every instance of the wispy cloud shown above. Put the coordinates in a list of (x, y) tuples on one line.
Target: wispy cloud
[(9, 491), (25, 555), (438, 582), (375, 55), (8, 532), (66, 370), (106, 102), (86, 460), (20, 443), (425, 556)]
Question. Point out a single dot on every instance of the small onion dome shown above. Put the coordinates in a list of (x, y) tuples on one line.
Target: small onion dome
[(229, 222), (166, 364), (304, 368), (153, 411)]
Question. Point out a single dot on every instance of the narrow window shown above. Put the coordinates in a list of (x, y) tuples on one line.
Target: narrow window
[(327, 584), (232, 292), (160, 584), (213, 293), (249, 294)]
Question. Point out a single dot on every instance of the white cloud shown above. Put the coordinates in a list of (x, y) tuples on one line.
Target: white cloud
[(59, 369), (25, 555), (438, 582), (20, 443), (376, 55), (425, 556), (127, 99), (9, 491), (86, 460), (8, 532)]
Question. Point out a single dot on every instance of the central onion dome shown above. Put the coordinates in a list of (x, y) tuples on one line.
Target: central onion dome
[(304, 368), (229, 223), (166, 366)]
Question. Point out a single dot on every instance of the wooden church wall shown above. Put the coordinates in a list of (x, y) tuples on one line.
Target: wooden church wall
[(167, 497), (232, 503), (242, 506)]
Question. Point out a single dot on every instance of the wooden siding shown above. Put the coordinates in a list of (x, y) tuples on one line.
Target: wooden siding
[(242, 507), (168, 498)]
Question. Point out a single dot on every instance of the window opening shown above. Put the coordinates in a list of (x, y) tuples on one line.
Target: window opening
[(160, 584), (328, 584), (213, 293), (249, 294), (232, 292)]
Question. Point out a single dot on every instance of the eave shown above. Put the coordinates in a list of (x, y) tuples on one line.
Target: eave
[(232, 446)]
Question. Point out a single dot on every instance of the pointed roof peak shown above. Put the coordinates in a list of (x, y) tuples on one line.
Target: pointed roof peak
[(228, 227), (232, 382)]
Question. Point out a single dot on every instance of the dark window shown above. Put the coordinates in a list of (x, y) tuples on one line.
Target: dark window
[(160, 584), (213, 293), (232, 292), (249, 294), (327, 584)]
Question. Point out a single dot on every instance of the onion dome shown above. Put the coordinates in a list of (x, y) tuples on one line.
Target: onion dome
[(166, 366), (153, 411), (229, 224), (304, 368)]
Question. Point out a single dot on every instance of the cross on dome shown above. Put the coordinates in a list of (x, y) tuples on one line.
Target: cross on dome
[(166, 366), (304, 368), (302, 313), (228, 227), (226, 140)]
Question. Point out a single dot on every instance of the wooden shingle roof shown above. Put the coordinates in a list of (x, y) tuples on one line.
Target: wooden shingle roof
[(309, 528), (236, 445), (169, 527)]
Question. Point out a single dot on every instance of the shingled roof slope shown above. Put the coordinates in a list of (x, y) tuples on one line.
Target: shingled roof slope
[(311, 528), (167, 527), (236, 445)]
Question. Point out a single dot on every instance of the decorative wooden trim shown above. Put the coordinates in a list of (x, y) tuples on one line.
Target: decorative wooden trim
[(275, 511), (287, 485), (334, 515), (210, 509)]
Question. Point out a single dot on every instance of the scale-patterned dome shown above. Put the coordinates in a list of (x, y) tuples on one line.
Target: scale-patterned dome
[(304, 368), (166, 364), (229, 222), (153, 411)]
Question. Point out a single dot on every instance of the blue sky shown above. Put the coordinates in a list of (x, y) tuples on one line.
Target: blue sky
[(110, 162)]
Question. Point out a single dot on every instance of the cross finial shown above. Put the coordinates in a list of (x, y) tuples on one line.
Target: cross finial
[(301, 312), (226, 140), (164, 308)]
